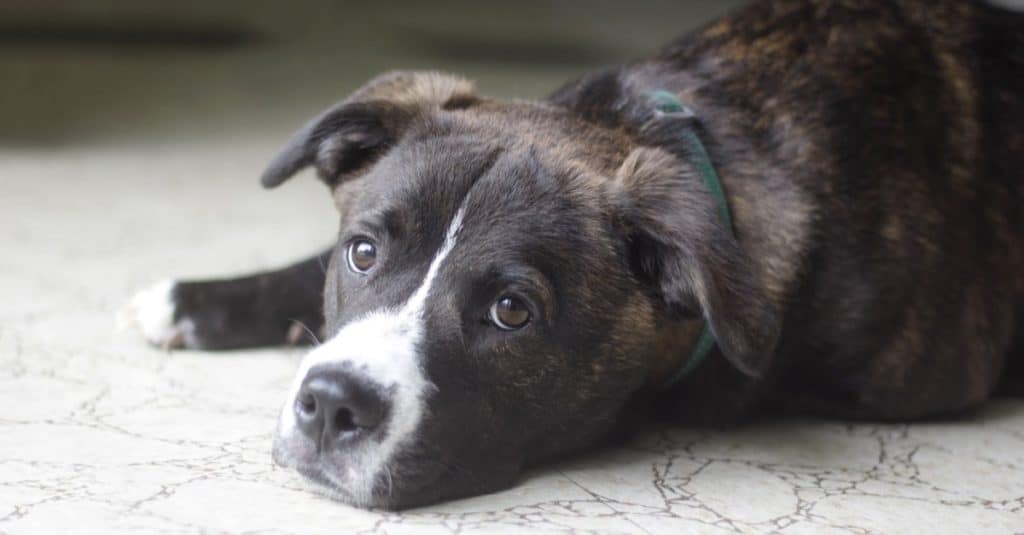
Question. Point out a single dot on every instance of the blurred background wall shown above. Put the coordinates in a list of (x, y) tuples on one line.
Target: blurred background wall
[(86, 72), (112, 70)]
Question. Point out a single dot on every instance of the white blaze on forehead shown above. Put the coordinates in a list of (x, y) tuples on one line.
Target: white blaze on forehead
[(383, 347), (414, 306)]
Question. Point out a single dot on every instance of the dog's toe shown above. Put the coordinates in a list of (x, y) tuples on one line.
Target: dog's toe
[(152, 311)]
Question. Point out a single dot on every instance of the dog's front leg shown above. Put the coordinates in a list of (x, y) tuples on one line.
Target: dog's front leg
[(278, 307)]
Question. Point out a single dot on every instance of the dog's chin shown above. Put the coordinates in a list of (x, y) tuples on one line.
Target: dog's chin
[(319, 480), (419, 487), (325, 479)]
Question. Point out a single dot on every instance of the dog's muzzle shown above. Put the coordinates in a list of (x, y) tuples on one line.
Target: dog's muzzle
[(356, 401)]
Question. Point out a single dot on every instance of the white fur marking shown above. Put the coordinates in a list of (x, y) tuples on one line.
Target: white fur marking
[(382, 345), (152, 312)]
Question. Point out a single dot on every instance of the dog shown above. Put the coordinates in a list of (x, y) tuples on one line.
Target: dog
[(808, 205)]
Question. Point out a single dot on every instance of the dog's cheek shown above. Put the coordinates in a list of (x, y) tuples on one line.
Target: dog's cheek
[(626, 353), (467, 429), (573, 397), (617, 372)]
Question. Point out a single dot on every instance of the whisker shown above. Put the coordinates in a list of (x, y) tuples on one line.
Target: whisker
[(309, 331), (387, 472), (323, 265)]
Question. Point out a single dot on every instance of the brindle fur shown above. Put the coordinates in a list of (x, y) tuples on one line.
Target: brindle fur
[(873, 160)]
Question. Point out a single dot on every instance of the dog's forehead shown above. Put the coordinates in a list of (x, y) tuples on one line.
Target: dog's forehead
[(427, 180)]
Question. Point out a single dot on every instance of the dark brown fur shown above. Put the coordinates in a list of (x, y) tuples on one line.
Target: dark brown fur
[(868, 152)]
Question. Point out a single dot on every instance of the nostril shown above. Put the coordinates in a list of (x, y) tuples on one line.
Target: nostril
[(344, 421), (306, 404), (307, 411)]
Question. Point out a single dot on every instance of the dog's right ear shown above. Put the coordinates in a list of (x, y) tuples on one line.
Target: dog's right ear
[(679, 245), (346, 139)]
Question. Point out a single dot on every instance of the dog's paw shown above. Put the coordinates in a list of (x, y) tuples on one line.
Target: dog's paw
[(152, 311)]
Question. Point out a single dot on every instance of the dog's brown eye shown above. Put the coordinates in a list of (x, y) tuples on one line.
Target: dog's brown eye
[(509, 313), (362, 255)]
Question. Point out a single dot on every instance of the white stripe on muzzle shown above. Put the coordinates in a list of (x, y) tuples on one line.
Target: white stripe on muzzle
[(383, 346)]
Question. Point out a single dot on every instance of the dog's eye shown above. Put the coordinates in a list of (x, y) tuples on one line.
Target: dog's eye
[(362, 255), (509, 313)]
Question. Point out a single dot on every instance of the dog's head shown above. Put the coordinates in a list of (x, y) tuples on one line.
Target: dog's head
[(506, 278)]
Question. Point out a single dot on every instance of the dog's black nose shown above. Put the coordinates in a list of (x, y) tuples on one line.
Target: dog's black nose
[(337, 405)]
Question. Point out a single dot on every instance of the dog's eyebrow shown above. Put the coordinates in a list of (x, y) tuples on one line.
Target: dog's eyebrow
[(377, 222)]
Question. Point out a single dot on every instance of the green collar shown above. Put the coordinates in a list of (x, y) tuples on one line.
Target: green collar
[(667, 102)]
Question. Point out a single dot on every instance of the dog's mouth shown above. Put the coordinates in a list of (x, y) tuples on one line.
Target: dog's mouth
[(319, 482), (341, 475), (418, 477), (317, 477)]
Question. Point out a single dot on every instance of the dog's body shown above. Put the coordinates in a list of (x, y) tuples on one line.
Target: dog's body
[(872, 157)]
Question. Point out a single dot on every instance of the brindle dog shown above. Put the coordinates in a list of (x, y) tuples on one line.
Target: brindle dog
[(534, 271)]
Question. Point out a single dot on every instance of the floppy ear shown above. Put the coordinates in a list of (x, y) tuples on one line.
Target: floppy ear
[(680, 246), (347, 138)]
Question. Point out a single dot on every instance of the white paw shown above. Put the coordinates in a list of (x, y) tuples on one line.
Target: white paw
[(151, 311)]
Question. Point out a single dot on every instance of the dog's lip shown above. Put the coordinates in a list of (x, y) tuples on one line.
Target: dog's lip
[(316, 477), (313, 471), (316, 474), (280, 458), (320, 481)]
